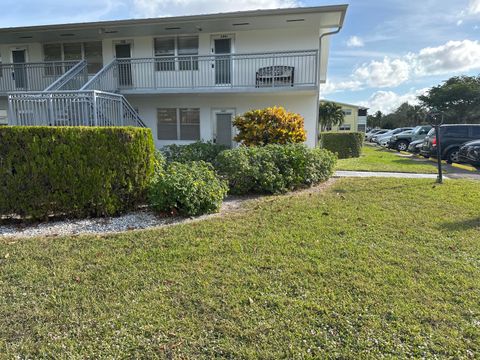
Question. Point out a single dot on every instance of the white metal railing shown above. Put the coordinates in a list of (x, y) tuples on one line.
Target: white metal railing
[(71, 108), (73, 79), (32, 76), (259, 70)]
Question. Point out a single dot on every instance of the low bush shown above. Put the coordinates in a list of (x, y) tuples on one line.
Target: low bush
[(190, 189), (344, 144), (73, 171), (198, 151), (272, 125), (274, 168)]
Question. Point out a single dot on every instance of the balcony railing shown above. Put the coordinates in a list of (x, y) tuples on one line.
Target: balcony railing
[(292, 69), (71, 108), (32, 76)]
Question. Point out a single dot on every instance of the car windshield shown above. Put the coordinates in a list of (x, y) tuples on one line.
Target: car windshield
[(417, 129), (431, 132)]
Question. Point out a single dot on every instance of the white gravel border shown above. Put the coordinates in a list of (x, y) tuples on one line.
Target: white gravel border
[(139, 220), (133, 221)]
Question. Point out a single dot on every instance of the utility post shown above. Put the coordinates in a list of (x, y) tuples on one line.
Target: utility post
[(436, 120)]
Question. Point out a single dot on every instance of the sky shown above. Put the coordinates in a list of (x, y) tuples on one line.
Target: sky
[(388, 52)]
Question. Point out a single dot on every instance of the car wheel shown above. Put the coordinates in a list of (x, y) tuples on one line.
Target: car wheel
[(452, 156), (402, 145)]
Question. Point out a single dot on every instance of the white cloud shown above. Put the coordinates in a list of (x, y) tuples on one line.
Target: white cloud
[(331, 87), (355, 41), (474, 7), (154, 8), (388, 101), (452, 58)]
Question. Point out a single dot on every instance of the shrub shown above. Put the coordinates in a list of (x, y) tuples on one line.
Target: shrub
[(73, 171), (272, 125), (274, 168), (198, 151), (344, 144), (188, 189)]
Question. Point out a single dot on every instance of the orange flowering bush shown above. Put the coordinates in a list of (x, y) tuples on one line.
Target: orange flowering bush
[(273, 125)]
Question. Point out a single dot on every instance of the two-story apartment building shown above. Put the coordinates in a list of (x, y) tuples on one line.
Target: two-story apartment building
[(355, 117), (184, 77)]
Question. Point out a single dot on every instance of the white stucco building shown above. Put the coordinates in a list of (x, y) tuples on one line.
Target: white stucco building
[(184, 77)]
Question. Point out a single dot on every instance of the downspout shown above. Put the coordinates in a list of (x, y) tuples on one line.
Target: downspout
[(317, 126)]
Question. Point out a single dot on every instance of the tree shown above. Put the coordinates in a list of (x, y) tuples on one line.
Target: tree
[(374, 121), (330, 115), (458, 99)]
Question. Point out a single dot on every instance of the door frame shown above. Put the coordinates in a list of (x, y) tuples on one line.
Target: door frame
[(122, 42), (18, 48), (214, 37), (223, 110)]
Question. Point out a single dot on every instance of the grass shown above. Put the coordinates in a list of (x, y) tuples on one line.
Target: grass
[(378, 159), (370, 268)]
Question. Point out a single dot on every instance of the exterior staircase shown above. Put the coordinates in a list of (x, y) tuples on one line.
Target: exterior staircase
[(72, 100)]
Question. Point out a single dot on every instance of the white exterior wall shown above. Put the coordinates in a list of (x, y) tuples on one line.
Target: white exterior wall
[(303, 103)]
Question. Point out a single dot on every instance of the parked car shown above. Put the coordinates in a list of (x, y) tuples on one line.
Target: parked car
[(385, 139), (415, 146), (452, 137), (377, 137), (379, 132), (470, 152), (372, 132), (401, 141)]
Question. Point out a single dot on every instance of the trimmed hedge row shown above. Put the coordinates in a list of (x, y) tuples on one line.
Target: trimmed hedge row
[(344, 144), (198, 151), (274, 168), (73, 171)]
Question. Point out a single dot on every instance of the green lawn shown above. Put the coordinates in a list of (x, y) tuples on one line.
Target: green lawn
[(371, 267), (378, 159)]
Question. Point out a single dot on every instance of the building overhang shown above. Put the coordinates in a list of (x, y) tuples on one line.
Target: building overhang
[(320, 17)]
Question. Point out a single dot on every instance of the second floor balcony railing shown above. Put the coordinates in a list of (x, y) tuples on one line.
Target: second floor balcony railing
[(289, 69), (31, 76)]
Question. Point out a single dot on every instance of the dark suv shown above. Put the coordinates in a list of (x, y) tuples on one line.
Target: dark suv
[(401, 141), (452, 138)]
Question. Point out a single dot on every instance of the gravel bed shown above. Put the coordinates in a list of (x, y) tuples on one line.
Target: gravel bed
[(129, 222), (133, 221)]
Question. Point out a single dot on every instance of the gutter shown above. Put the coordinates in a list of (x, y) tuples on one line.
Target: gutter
[(317, 125)]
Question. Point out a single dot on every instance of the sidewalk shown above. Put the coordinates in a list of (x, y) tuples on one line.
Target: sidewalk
[(385, 174)]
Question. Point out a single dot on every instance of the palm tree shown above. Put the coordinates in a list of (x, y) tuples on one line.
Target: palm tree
[(331, 115)]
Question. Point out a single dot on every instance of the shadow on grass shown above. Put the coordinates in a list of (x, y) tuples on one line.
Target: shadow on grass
[(462, 225)]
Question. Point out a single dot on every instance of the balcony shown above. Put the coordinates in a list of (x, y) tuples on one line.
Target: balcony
[(31, 76), (211, 73)]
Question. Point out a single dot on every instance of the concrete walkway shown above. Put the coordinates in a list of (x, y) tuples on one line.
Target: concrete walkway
[(385, 174)]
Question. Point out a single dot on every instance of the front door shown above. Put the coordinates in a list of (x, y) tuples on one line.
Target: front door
[(124, 52), (223, 125), (19, 74), (222, 48)]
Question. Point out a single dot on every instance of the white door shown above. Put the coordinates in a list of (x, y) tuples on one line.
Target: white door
[(222, 48), (224, 127)]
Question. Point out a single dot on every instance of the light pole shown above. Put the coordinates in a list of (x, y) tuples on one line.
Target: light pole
[(436, 120)]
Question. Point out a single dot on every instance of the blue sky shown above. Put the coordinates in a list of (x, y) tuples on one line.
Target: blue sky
[(388, 52)]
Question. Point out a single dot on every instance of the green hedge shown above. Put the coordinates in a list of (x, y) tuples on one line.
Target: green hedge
[(191, 189), (197, 151), (274, 169), (344, 144), (73, 171)]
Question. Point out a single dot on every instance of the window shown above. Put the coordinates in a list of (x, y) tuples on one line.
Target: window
[(165, 52), (90, 51), (3, 117), (189, 124), (53, 52), (476, 132), (93, 53), (178, 124), (169, 50), (344, 127), (361, 127), (455, 131), (347, 111)]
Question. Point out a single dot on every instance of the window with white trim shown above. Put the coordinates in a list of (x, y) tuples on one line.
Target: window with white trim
[(178, 124), (90, 51), (344, 127), (176, 53), (347, 111)]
